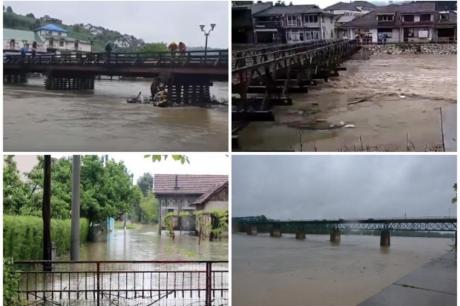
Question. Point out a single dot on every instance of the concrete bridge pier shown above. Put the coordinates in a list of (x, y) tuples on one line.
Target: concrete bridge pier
[(385, 238), (275, 232), (251, 230), (335, 235), (300, 234)]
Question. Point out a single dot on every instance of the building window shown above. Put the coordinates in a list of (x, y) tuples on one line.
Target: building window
[(12, 44), (61, 43), (425, 17), (444, 17), (311, 19), (301, 36), (25, 44), (384, 18), (291, 20), (408, 18)]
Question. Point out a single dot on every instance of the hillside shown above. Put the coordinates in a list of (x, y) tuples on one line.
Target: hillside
[(100, 35)]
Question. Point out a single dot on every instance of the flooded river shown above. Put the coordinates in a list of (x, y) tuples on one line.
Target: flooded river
[(386, 103), (36, 119), (285, 271)]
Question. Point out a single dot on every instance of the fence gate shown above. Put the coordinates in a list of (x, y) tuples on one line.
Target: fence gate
[(123, 282)]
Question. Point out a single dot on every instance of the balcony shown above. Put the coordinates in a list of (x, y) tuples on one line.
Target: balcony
[(270, 24)]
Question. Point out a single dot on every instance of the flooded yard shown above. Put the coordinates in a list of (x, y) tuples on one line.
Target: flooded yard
[(285, 271), (386, 103), (36, 119)]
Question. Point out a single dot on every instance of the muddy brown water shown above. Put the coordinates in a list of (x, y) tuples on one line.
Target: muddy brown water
[(36, 119), (285, 271), (386, 103)]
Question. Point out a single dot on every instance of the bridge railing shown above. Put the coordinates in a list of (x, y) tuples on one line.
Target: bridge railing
[(212, 58), (251, 59), (126, 282)]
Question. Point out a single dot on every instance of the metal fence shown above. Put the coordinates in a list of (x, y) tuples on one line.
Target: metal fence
[(123, 282)]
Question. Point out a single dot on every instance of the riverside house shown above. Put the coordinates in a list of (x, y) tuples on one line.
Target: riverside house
[(49, 38), (178, 193), (409, 22), (293, 24)]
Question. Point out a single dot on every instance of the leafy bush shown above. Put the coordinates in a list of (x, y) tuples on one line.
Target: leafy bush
[(23, 236), (11, 280)]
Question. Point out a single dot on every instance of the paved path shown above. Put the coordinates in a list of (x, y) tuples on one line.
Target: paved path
[(435, 283)]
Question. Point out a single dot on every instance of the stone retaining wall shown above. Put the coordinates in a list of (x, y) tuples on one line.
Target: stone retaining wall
[(408, 48)]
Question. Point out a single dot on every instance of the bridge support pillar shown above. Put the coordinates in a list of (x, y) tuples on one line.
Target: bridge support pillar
[(189, 92), (53, 82), (300, 234), (385, 238), (15, 78), (275, 232), (335, 235), (252, 230)]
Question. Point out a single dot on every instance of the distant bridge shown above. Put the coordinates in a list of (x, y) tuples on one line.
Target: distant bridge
[(187, 75), (336, 227)]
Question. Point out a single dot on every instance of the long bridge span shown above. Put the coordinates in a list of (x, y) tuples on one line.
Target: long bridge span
[(186, 75), (264, 76), (276, 228)]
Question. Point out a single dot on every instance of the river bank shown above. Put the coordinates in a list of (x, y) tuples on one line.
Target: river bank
[(385, 103), (276, 271), (42, 120)]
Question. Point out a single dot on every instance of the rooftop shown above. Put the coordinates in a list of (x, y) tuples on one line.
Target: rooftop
[(289, 9), (20, 35), (186, 183), (351, 6), (51, 27)]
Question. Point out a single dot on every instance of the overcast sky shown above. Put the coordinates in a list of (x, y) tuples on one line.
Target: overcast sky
[(153, 21), (200, 163), (347, 187)]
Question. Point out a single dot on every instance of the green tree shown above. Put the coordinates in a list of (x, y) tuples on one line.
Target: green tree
[(145, 183), (15, 192), (154, 47), (9, 10)]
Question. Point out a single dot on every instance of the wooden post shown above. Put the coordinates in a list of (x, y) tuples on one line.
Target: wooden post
[(46, 212)]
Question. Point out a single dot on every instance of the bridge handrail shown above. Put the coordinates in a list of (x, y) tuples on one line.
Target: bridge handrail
[(277, 59), (213, 57)]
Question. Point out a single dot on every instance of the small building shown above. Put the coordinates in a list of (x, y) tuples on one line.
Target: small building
[(243, 20), (293, 24), (49, 38), (408, 22), (179, 193), (347, 11)]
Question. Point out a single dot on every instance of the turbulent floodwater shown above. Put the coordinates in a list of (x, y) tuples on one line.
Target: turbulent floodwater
[(391, 101), (285, 271), (36, 119)]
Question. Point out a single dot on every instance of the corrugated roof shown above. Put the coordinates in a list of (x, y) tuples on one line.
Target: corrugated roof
[(351, 6), (289, 9), (20, 35), (186, 183), (52, 27), (212, 191)]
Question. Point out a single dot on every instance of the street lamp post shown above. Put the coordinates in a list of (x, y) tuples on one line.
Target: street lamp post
[(206, 34)]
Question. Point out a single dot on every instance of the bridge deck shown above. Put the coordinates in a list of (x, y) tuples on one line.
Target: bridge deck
[(213, 65)]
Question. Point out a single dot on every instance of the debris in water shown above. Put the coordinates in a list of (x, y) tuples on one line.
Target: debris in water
[(349, 126)]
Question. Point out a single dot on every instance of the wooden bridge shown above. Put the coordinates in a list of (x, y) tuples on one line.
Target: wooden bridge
[(187, 75), (264, 76), (255, 225)]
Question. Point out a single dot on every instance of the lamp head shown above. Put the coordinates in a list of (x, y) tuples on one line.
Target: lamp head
[(213, 25), (202, 27)]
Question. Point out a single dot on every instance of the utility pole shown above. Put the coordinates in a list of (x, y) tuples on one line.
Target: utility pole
[(206, 35), (46, 212), (75, 222)]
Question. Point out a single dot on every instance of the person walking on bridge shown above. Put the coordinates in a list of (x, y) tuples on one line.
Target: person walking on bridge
[(108, 51)]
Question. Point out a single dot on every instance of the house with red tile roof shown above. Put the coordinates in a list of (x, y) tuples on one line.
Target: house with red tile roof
[(178, 193)]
